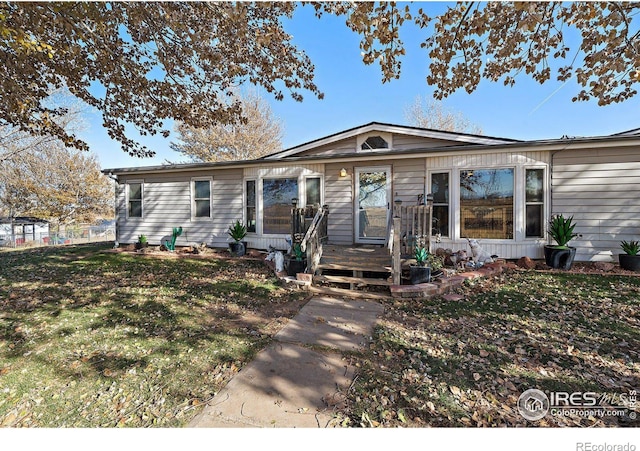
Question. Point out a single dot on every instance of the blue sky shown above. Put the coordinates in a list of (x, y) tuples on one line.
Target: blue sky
[(355, 95)]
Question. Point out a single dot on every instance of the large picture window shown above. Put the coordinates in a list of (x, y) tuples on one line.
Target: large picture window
[(277, 195), (534, 199), (486, 203), (440, 191), (134, 199)]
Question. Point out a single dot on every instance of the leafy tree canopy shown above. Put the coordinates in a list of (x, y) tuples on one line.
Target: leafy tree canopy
[(472, 41), (143, 63)]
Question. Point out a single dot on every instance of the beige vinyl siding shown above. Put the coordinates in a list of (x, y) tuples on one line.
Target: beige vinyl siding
[(601, 190), (337, 148), (167, 204), (512, 249), (338, 196), (406, 142), (408, 180)]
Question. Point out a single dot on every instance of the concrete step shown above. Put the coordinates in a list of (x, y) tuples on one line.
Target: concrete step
[(330, 291)]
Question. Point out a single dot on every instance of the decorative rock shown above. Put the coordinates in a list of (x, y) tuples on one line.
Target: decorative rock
[(304, 277), (604, 266), (526, 263)]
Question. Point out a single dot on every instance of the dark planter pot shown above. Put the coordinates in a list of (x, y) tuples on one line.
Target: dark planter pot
[(559, 258), (238, 248), (296, 266), (630, 262), (141, 245), (419, 274)]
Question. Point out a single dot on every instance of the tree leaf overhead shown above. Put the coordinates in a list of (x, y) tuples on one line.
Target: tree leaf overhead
[(142, 63)]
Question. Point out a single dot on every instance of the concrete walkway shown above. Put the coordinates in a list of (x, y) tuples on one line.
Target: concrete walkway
[(299, 379)]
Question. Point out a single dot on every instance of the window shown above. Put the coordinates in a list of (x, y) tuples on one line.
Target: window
[(250, 205), (277, 195), (202, 198), (486, 203), (534, 200), (313, 191), (134, 199), (440, 191), (374, 142)]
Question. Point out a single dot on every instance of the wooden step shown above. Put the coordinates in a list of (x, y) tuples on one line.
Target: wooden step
[(353, 267), (357, 261), (330, 291), (354, 280)]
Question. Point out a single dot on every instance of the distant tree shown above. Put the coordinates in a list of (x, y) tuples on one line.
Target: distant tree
[(41, 177), (56, 183), (432, 114), (259, 133)]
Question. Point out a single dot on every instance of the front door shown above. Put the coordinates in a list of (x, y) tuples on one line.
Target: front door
[(373, 191)]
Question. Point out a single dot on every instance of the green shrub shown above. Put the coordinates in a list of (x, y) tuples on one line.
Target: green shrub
[(630, 247), (561, 230)]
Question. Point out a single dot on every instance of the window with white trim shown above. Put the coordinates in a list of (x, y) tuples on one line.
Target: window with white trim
[(313, 188), (486, 203), (534, 202), (134, 199), (440, 190), (374, 142), (201, 194), (250, 205), (277, 195)]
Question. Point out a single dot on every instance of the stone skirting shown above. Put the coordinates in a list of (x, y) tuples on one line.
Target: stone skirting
[(445, 284)]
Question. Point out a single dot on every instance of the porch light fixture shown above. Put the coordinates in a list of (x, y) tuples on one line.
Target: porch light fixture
[(429, 199), (294, 202), (343, 172)]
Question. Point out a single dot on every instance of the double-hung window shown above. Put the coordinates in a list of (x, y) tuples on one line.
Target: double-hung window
[(201, 192), (250, 205), (312, 186), (534, 202), (440, 191), (134, 199)]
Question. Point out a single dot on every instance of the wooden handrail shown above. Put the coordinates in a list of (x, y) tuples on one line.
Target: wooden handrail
[(315, 237)]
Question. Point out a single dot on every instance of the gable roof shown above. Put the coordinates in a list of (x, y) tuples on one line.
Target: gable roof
[(463, 138), (632, 132)]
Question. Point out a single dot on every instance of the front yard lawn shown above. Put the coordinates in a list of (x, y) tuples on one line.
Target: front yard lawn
[(466, 362), (91, 338)]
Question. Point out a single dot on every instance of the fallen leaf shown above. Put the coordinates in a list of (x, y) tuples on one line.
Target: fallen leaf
[(484, 353), (476, 376)]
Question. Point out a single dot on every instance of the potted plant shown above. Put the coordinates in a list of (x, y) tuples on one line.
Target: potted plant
[(297, 263), (630, 260), (421, 271), (560, 255), (237, 232), (142, 242)]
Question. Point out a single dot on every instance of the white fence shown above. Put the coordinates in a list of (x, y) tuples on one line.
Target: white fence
[(24, 236)]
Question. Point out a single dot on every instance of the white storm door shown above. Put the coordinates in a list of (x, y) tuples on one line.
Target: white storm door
[(373, 199)]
